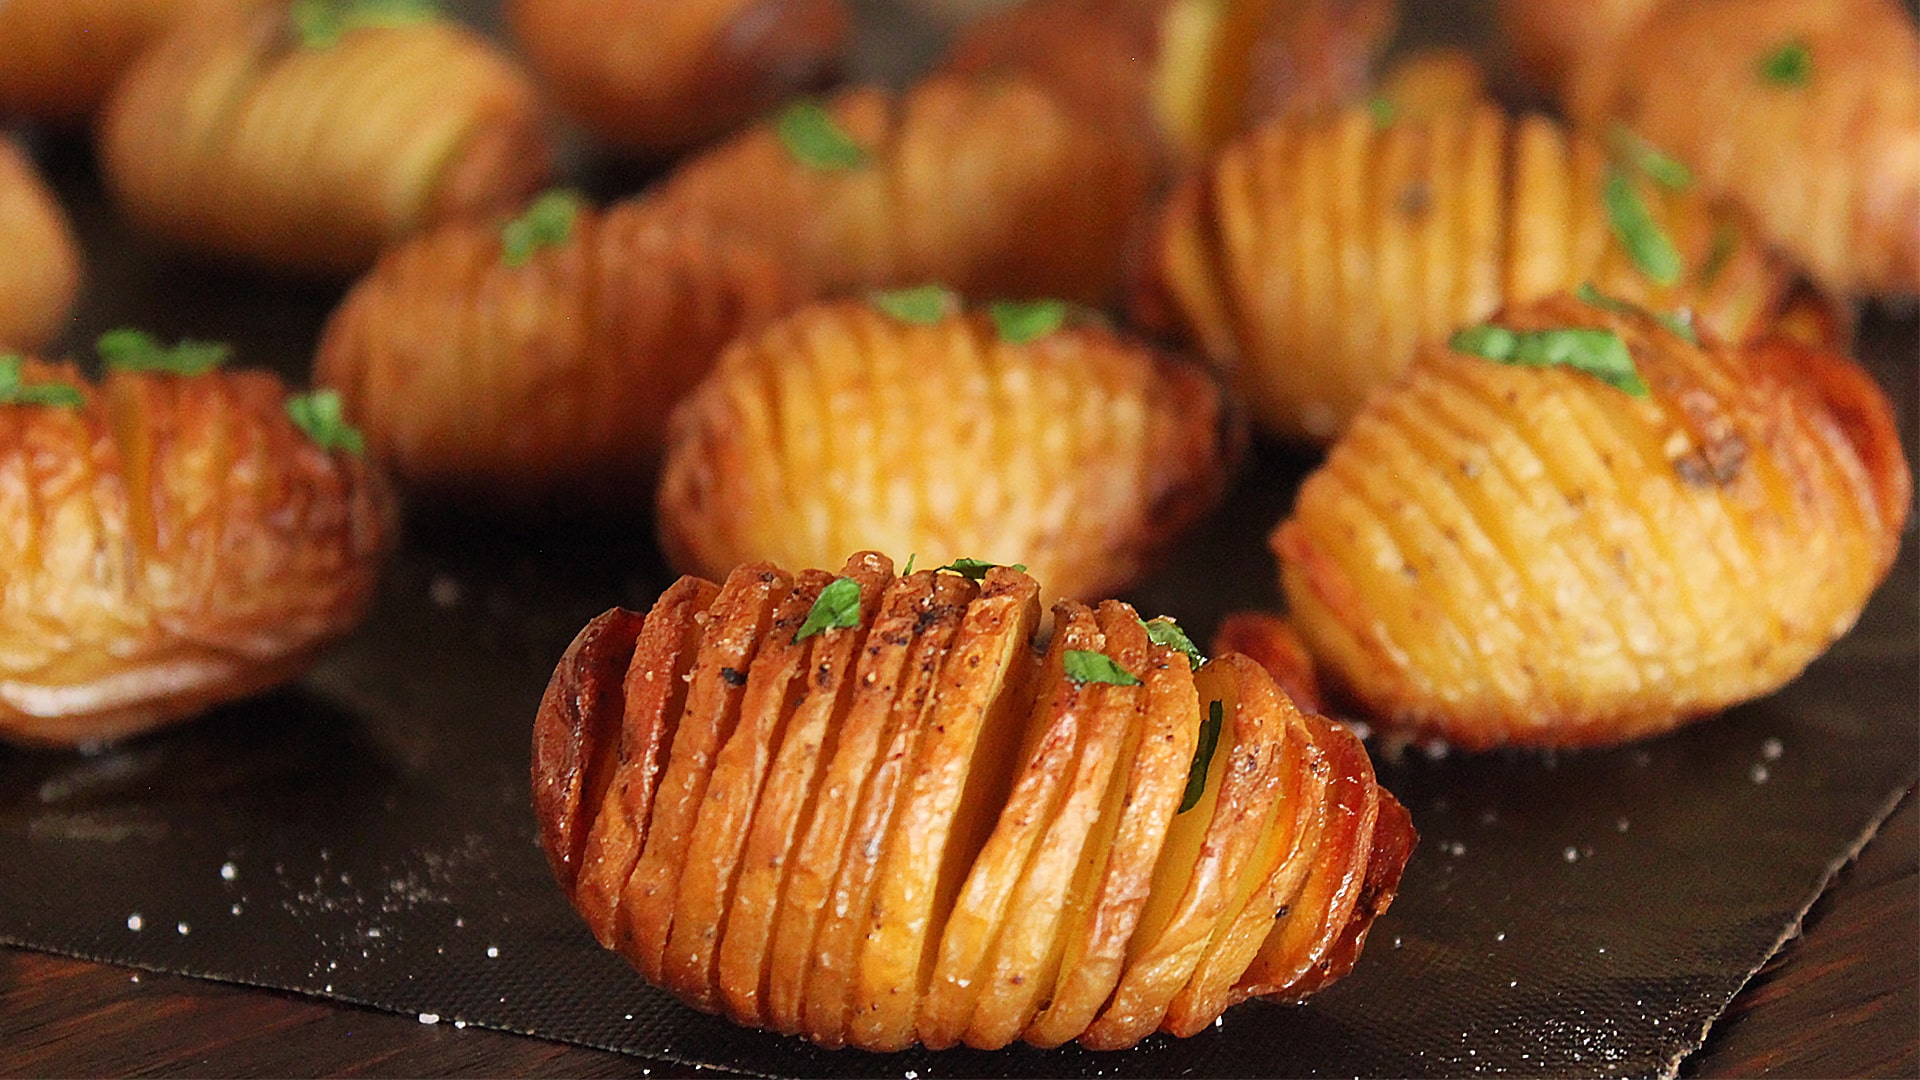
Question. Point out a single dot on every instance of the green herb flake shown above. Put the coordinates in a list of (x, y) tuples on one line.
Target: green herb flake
[(1086, 666), (1637, 152), (1789, 65), (1599, 353), (1383, 111), (1203, 756), (1726, 240), (816, 140), (838, 608), (14, 391), (1164, 631), (318, 414), (921, 305), (909, 568), (1678, 322), (546, 222), (1018, 323), (136, 350), (320, 24), (1636, 230), (976, 570)]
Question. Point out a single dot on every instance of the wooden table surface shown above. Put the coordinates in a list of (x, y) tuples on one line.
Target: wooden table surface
[(1843, 1000)]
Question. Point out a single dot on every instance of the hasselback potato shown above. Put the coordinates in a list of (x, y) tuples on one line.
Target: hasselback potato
[(62, 56), (523, 370), (1518, 554), (308, 136), (991, 187), (1807, 112), (172, 542), (40, 276), (660, 75), (871, 810), (1313, 257), (1078, 453)]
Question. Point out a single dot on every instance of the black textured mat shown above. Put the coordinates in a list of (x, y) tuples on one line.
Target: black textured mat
[(365, 835)]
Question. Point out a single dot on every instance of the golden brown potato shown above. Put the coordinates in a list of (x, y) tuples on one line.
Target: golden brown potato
[(40, 275), (992, 188), (1499, 554), (489, 365), (1807, 112), (656, 76), (62, 56), (1428, 83), (175, 542), (306, 144), (1313, 257), (1077, 453), (874, 811), (1186, 74), (1550, 39)]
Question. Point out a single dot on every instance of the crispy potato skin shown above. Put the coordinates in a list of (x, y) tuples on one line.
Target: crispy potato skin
[(175, 543), (64, 55), (973, 842), (40, 277), (1550, 39), (655, 76), (1313, 257), (547, 384), (1508, 555), (1079, 455), (229, 136), (981, 186), (1830, 169)]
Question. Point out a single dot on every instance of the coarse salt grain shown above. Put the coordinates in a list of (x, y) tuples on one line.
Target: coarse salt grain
[(1570, 854), (1760, 774), (182, 929), (1772, 749), (229, 872), (429, 1018), (135, 922), (493, 952)]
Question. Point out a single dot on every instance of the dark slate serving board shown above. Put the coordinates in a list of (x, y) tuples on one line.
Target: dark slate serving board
[(365, 834)]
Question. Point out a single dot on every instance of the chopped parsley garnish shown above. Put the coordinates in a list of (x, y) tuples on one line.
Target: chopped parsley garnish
[(1675, 321), (1790, 65), (546, 222), (1203, 756), (909, 568), (1087, 666), (318, 414), (921, 305), (975, 569), (1636, 230), (137, 350), (1637, 152), (15, 392), (816, 140), (1726, 239), (1018, 323), (837, 608), (1599, 353), (320, 24), (1164, 631), (1382, 109)]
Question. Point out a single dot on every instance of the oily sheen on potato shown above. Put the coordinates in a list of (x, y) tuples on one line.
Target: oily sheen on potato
[(1517, 554), (875, 810)]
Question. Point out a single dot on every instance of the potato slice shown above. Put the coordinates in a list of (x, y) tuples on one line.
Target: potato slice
[(736, 625), (848, 915), (572, 734), (655, 695), (1391, 847), (1139, 810), (958, 782), (787, 800), (726, 813), (981, 907), (1025, 962), (1203, 855)]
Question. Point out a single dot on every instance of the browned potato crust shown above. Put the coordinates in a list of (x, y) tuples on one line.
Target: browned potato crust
[(980, 840), (1080, 454), (232, 136), (1551, 39), (1825, 151), (40, 275), (1498, 554), (62, 56), (1313, 257), (548, 383), (660, 75), (992, 188), (175, 542)]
